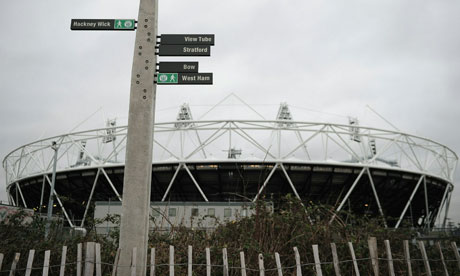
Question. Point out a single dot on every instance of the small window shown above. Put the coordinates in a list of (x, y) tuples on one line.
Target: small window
[(227, 212), (244, 212), (156, 212), (211, 212), (172, 212), (194, 212)]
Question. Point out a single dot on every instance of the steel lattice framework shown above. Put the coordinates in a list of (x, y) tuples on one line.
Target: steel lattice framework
[(399, 176)]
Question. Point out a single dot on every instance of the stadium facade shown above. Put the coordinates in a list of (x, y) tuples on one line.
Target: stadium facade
[(405, 179)]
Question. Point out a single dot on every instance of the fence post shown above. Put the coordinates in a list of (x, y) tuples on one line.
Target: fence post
[(446, 273), (278, 264), (152, 261), (89, 259), (297, 262), (335, 259), (190, 260), (261, 265), (115, 262), (353, 257), (243, 264), (79, 258), (46, 263), (425, 258), (407, 256), (372, 241), (14, 264), (457, 255), (225, 259), (30, 262), (171, 260), (133, 262), (208, 261), (318, 270), (63, 260), (391, 268), (1, 261), (98, 260)]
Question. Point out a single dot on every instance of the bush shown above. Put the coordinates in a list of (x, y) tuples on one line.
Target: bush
[(290, 225)]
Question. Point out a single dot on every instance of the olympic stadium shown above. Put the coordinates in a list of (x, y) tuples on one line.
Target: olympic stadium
[(405, 179)]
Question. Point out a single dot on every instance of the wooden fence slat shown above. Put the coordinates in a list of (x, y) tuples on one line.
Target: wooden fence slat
[(261, 265), (225, 260), (278, 264), (79, 258), (243, 264), (1, 261), (353, 257), (438, 245), (457, 255), (46, 263), (63, 260), (89, 259), (30, 262), (318, 270), (190, 260), (152, 261), (425, 258), (133, 262), (297, 262), (171, 260), (14, 264), (115, 262), (98, 260), (407, 257), (372, 242), (391, 268), (208, 261), (335, 259)]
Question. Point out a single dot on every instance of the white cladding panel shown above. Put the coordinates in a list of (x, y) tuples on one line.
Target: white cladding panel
[(165, 215)]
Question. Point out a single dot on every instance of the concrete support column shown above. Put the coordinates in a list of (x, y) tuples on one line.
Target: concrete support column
[(138, 170)]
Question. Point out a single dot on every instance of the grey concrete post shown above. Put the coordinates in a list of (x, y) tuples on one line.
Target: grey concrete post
[(138, 169)]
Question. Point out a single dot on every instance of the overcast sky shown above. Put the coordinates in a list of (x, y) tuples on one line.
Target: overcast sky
[(400, 57)]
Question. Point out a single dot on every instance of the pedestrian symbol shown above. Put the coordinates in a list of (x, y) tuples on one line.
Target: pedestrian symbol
[(167, 78), (124, 24)]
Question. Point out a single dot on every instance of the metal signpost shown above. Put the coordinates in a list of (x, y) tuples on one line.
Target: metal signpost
[(134, 226)]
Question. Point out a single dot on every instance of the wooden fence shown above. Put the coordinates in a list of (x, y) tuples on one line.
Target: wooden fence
[(91, 263)]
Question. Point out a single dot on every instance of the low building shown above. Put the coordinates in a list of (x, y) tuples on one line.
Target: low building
[(165, 215)]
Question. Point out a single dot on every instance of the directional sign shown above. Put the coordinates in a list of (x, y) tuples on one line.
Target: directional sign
[(179, 67), (184, 78), (102, 24), (184, 50), (187, 39)]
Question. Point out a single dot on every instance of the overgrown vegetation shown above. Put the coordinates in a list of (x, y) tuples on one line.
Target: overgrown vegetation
[(267, 232)]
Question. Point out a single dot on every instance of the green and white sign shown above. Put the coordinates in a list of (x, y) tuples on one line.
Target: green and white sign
[(124, 24), (168, 78), (103, 24)]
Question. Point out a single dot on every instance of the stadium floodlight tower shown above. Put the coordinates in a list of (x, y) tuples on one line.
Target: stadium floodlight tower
[(284, 119)]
